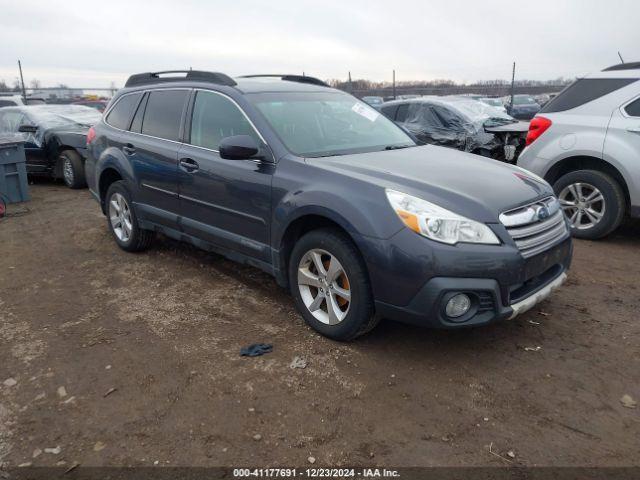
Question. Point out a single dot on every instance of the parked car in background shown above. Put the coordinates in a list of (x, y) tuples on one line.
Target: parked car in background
[(586, 143), (99, 105), (14, 100), (461, 123), (375, 102), (493, 102), (524, 107), (322, 191), (55, 138)]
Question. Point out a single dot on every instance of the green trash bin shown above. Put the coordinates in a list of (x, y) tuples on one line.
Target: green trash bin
[(14, 186)]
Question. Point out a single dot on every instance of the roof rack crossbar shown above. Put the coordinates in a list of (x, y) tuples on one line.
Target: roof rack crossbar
[(197, 75), (290, 78), (623, 66)]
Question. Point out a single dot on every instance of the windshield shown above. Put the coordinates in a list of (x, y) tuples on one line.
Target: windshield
[(479, 112), (53, 116), (322, 124), (523, 100), (372, 100), (494, 102)]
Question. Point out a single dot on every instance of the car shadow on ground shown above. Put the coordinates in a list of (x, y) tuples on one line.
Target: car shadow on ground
[(387, 335), (391, 334)]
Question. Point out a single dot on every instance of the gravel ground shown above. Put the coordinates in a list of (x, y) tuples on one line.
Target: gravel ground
[(110, 358)]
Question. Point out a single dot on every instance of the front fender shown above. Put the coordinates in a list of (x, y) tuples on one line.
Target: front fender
[(350, 213)]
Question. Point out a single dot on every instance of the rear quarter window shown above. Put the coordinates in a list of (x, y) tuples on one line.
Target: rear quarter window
[(633, 109), (584, 91), (120, 114)]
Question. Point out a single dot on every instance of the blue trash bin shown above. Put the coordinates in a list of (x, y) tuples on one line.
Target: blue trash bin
[(14, 186)]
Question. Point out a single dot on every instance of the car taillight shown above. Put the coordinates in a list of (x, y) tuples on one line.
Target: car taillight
[(91, 135), (537, 127)]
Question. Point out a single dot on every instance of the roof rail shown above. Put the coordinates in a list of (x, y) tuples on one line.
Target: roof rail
[(623, 66), (290, 78), (193, 75)]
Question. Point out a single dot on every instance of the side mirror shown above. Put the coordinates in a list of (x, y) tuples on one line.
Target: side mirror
[(27, 129), (238, 147)]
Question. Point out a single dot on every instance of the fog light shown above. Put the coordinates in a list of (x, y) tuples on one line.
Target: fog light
[(458, 305)]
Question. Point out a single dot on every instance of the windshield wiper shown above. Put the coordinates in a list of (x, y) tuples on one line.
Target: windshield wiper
[(397, 147)]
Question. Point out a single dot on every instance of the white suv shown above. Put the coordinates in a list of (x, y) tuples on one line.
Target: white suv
[(586, 143)]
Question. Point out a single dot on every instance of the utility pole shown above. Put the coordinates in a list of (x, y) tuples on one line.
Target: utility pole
[(394, 84), (513, 84), (350, 85), (24, 92)]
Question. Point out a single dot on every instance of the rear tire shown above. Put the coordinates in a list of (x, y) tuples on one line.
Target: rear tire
[(72, 169), (315, 278), (122, 220), (591, 219)]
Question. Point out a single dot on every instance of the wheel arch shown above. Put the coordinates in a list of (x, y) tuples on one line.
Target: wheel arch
[(299, 226), (107, 177), (585, 162)]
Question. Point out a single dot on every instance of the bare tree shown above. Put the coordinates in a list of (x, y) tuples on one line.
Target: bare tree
[(35, 84)]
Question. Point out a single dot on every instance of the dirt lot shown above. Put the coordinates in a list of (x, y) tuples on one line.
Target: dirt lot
[(79, 318)]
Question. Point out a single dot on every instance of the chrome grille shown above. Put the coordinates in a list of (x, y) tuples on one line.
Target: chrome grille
[(536, 227)]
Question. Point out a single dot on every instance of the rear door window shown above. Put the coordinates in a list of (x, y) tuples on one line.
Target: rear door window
[(7, 103), (136, 124), (120, 114), (583, 91), (633, 109), (163, 113)]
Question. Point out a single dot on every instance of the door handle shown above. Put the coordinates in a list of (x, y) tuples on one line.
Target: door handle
[(189, 164), (633, 129), (129, 149)]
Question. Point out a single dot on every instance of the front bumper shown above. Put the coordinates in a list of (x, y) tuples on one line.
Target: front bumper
[(532, 300), (501, 287)]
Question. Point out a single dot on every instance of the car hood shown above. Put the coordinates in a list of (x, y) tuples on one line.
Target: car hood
[(467, 184)]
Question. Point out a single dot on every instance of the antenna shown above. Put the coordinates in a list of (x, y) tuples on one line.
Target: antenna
[(620, 57)]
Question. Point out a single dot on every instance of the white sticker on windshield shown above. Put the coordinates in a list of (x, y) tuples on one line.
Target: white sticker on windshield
[(367, 112)]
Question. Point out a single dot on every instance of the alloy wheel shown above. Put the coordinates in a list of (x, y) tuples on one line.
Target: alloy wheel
[(120, 217), (583, 204), (67, 171), (324, 286)]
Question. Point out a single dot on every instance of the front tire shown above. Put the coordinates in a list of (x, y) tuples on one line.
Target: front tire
[(72, 168), (330, 285), (122, 220), (592, 201)]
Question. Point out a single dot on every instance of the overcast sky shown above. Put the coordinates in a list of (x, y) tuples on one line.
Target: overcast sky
[(93, 43)]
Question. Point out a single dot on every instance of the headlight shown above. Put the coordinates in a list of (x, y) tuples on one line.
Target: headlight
[(438, 224)]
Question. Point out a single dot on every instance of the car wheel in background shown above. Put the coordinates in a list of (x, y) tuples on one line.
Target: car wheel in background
[(122, 220), (330, 285), (592, 201), (72, 169)]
